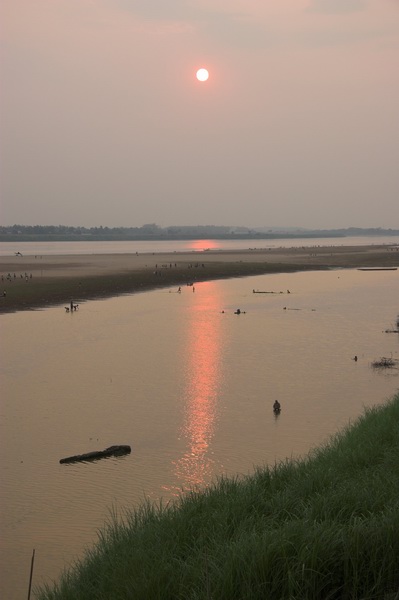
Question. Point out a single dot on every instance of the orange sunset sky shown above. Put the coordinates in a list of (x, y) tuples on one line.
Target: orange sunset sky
[(103, 121)]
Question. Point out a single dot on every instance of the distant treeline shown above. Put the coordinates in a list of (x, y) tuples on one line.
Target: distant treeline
[(25, 233)]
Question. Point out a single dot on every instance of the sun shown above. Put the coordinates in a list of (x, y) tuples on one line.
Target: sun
[(202, 74)]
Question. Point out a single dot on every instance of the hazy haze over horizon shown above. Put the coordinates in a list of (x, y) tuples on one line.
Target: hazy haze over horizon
[(104, 123)]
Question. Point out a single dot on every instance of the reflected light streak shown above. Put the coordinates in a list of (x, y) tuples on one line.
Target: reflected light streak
[(204, 245), (203, 376)]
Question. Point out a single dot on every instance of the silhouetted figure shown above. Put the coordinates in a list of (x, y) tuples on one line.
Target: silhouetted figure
[(355, 358), (276, 406)]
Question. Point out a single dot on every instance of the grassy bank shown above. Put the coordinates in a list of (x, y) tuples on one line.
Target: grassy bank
[(322, 528)]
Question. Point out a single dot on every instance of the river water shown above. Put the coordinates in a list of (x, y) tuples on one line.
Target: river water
[(184, 381), (64, 248)]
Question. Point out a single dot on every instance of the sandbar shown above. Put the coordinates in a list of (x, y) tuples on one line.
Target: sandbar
[(33, 282)]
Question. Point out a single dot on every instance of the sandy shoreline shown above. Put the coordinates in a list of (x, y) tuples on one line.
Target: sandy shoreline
[(33, 281)]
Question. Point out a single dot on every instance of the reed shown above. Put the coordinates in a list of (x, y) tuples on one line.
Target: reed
[(324, 527)]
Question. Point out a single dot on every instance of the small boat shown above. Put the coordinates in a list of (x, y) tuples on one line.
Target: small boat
[(111, 451)]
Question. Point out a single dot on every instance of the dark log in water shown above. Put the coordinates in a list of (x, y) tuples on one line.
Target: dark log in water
[(111, 451), (378, 269)]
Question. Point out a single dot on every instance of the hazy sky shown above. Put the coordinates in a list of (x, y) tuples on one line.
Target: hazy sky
[(104, 123)]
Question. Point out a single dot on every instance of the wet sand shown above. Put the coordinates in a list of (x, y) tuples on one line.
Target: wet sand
[(32, 282)]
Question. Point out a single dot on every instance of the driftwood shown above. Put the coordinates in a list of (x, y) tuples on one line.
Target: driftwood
[(111, 451), (384, 363), (262, 292), (378, 269), (394, 330)]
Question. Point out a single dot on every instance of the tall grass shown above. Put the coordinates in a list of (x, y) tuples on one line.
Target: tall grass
[(322, 528)]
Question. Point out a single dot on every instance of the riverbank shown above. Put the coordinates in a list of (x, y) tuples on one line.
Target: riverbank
[(322, 527), (31, 282)]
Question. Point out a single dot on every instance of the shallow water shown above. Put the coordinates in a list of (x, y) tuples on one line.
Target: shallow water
[(188, 386)]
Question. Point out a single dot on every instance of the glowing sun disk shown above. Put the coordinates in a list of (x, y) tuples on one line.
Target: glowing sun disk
[(202, 74)]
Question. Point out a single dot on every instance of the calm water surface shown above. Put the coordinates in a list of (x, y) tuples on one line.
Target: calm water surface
[(188, 386), (65, 248)]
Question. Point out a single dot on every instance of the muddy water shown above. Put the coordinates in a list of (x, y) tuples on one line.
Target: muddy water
[(188, 384)]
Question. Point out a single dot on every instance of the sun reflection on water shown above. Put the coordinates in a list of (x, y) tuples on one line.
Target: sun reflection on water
[(203, 379), (204, 245)]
